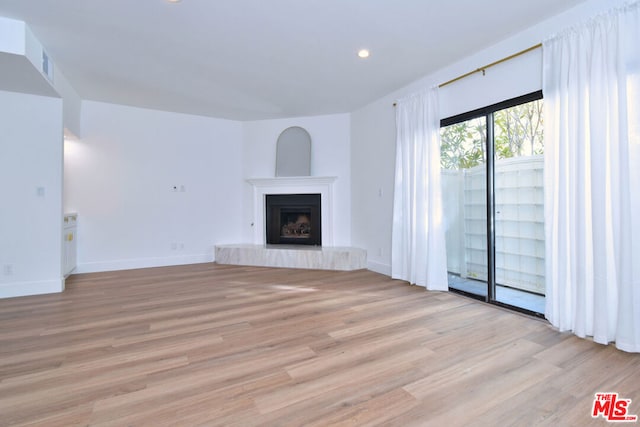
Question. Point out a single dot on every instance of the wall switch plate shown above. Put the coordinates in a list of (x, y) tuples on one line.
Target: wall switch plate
[(7, 269)]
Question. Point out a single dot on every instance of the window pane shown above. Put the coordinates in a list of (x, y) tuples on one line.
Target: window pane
[(519, 131), (463, 144)]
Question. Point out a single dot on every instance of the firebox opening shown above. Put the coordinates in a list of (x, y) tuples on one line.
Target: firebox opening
[(296, 225), (293, 219)]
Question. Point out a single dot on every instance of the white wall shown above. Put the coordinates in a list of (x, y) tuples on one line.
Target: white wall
[(372, 175), (373, 126), (31, 207), (12, 38), (330, 156), (119, 177)]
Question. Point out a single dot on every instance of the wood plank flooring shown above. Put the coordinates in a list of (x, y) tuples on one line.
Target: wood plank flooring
[(217, 345)]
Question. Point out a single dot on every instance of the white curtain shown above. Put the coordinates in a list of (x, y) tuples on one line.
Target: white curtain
[(591, 86), (418, 241)]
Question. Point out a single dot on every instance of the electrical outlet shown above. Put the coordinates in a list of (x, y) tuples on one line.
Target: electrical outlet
[(174, 246), (182, 188), (7, 269)]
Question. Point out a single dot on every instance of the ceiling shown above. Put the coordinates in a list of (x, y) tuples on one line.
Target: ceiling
[(263, 59)]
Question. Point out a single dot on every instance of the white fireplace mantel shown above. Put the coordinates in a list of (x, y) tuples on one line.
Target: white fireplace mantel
[(322, 185)]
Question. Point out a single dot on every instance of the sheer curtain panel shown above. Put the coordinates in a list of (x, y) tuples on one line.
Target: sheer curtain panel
[(591, 86), (418, 243)]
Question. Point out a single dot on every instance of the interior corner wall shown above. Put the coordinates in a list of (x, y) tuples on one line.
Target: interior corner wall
[(330, 156), (71, 104), (373, 130), (31, 214), (152, 188), (373, 135)]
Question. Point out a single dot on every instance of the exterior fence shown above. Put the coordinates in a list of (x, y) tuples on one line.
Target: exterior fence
[(519, 224)]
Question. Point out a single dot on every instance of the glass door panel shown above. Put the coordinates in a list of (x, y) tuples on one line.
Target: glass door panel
[(519, 206), (463, 159)]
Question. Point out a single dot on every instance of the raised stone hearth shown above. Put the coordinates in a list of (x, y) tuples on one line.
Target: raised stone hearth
[(294, 256)]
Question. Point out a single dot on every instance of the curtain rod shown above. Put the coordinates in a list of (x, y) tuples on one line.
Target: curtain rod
[(483, 69)]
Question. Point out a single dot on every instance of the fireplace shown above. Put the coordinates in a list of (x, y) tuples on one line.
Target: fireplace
[(293, 219)]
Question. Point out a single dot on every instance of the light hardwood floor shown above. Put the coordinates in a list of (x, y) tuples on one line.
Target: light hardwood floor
[(220, 345)]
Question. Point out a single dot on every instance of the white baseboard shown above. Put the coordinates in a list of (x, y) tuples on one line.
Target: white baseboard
[(130, 264), (379, 268), (21, 289)]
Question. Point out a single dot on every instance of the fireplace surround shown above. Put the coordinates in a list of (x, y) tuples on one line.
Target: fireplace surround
[(292, 185)]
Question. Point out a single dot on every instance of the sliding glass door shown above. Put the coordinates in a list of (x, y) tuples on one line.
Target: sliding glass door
[(492, 181)]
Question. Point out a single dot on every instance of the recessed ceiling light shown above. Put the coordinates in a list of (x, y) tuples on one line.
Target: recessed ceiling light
[(174, 1), (363, 53)]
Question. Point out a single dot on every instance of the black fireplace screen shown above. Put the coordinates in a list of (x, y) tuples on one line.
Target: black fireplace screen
[(293, 219)]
